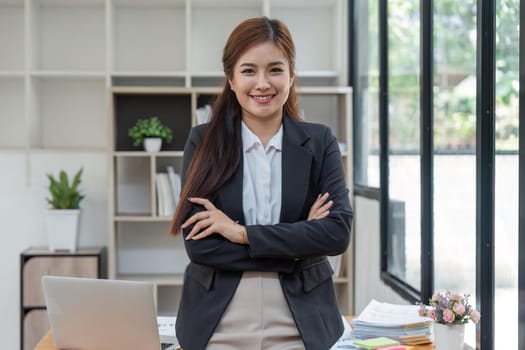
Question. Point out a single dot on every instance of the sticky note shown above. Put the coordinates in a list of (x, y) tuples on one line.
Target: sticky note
[(375, 343)]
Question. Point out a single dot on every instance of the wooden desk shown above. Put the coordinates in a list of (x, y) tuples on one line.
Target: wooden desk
[(47, 344)]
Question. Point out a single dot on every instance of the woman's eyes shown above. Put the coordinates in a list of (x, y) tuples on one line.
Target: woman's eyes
[(252, 71)]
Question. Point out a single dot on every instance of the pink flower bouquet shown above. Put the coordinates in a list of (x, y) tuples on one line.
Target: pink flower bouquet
[(450, 308)]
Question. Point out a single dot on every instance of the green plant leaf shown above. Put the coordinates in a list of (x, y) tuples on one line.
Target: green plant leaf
[(151, 127), (63, 194)]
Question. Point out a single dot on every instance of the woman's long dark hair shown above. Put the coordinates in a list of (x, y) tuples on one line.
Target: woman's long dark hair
[(218, 154)]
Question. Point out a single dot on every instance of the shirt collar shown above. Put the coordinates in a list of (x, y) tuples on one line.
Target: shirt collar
[(249, 139)]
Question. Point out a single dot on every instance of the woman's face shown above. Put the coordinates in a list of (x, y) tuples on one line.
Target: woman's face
[(261, 81)]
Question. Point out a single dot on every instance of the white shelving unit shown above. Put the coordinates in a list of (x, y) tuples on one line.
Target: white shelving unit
[(12, 107), (139, 245), (12, 22), (69, 112), (70, 68), (206, 45), (148, 38), (67, 36)]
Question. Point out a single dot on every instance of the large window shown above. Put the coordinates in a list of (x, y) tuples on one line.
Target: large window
[(366, 90), (460, 166), (404, 225)]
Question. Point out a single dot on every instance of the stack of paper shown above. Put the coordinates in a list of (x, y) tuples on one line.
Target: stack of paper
[(166, 325), (399, 322)]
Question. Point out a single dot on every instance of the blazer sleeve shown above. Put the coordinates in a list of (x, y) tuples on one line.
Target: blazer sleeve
[(327, 236), (216, 251)]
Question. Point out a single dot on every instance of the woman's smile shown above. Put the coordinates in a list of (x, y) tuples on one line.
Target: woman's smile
[(263, 99)]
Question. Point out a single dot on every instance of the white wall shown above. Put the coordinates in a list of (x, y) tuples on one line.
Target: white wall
[(23, 189), (368, 284)]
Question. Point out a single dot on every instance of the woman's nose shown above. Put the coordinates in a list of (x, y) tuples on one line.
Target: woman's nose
[(262, 82)]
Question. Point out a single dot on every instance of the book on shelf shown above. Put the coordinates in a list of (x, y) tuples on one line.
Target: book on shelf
[(175, 184), (399, 322), (203, 114), (165, 205)]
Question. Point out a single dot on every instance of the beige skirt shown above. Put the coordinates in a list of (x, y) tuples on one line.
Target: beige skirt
[(258, 317)]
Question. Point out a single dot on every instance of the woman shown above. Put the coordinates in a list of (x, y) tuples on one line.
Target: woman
[(256, 231)]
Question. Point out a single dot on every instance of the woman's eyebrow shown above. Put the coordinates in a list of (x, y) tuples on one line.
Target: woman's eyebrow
[(274, 63)]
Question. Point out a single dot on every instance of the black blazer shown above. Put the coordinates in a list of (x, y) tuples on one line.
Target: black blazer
[(295, 248)]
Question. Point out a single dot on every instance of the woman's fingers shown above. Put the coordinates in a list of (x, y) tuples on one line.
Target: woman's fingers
[(321, 212), (200, 225), (208, 222), (326, 207), (202, 201), (200, 215), (195, 218), (319, 201), (319, 208), (210, 230), (321, 215)]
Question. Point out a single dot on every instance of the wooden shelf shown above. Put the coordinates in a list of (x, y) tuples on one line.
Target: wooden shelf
[(11, 74), (67, 74), (141, 218), (148, 74)]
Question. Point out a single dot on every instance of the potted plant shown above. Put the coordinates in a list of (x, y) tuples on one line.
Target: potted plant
[(62, 219), (150, 133), (450, 311)]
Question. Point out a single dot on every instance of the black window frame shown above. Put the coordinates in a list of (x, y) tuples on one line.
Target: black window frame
[(401, 287)]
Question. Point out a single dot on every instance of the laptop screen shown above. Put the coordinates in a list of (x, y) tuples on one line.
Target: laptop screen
[(87, 313)]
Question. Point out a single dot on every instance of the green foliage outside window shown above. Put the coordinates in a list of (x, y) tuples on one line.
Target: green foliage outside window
[(454, 74)]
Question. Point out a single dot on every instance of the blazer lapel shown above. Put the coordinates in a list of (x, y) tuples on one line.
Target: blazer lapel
[(296, 164)]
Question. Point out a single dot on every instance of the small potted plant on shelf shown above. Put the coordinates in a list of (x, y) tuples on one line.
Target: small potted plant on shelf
[(450, 311), (62, 219), (150, 133)]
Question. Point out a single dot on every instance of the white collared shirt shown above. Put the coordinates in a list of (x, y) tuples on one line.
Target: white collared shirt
[(261, 192)]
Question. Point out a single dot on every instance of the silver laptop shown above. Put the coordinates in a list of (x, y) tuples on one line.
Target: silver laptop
[(96, 314)]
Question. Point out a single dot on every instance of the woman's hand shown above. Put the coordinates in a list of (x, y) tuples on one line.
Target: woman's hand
[(213, 220), (320, 209)]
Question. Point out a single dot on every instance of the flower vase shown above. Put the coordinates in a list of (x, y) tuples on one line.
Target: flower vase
[(449, 337)]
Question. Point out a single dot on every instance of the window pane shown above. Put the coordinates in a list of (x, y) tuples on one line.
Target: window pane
[(507, 174), (404, 245), (367, 93), (455, 147)]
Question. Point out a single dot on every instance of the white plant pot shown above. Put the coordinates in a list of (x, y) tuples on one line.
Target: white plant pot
[(449, 337), (152, 144), (62, 229)]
